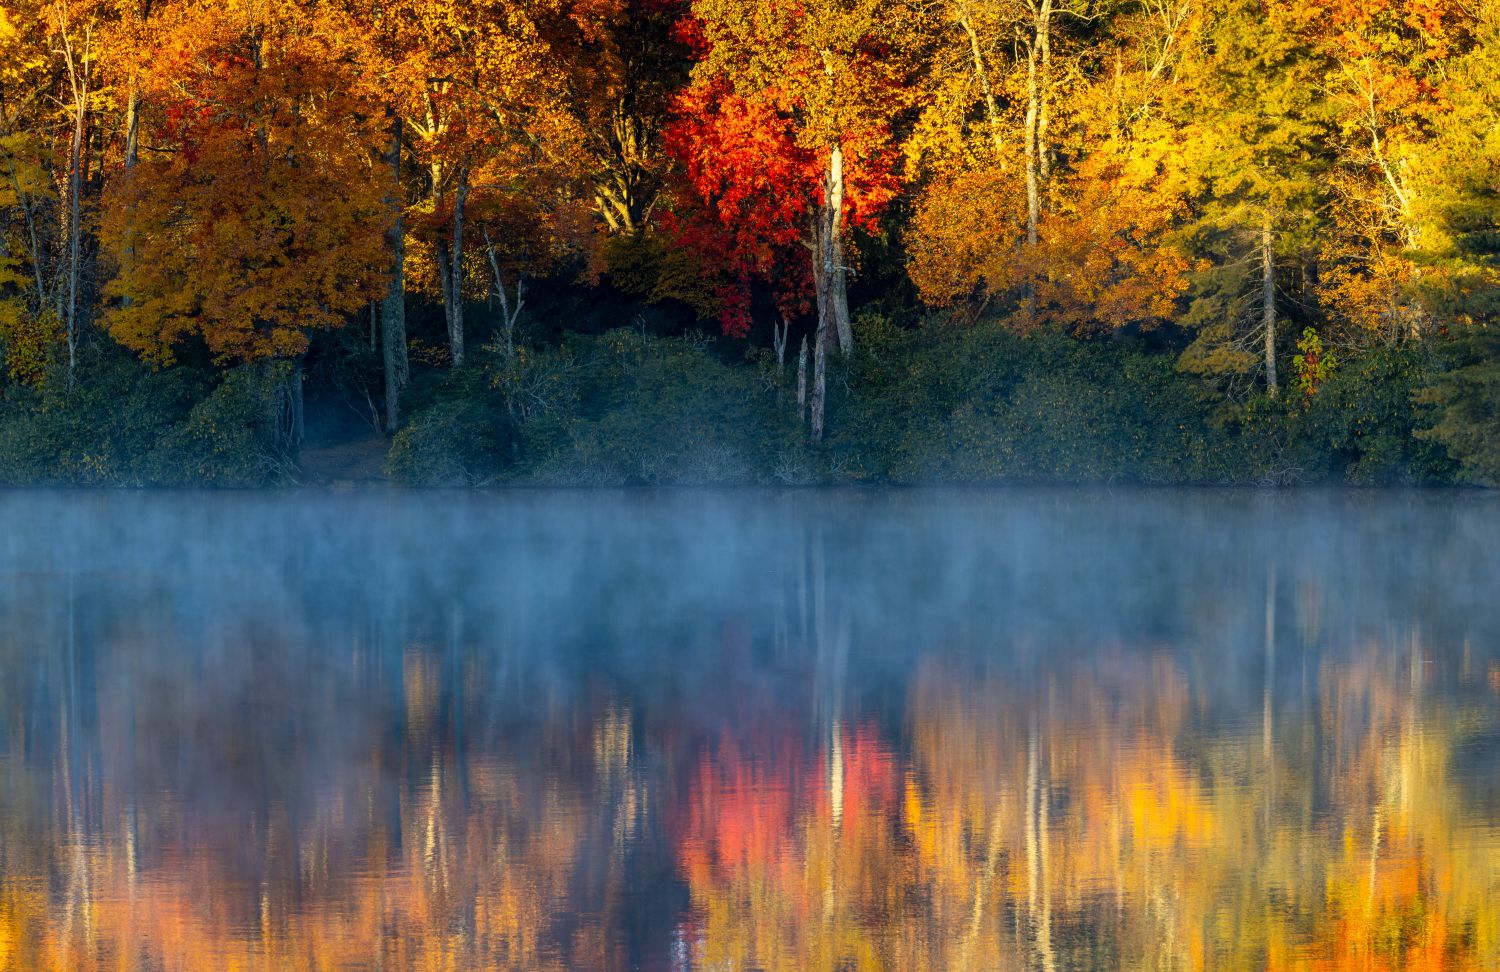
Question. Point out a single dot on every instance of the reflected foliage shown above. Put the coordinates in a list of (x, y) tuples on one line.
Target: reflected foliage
[(863, 731)]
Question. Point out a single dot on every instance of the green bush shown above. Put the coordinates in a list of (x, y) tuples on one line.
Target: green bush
[(1360, 428), (1364, 422), (986, 405), (620, 408), (100, 431), (1464, 405), (124, 424), (226, 439), (663, 410), (930, 404), (972, 405), (459, 431)]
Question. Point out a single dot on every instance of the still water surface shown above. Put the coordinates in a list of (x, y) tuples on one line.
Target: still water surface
[(913, 730)]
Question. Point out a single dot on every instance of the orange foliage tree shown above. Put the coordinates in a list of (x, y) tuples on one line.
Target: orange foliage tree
[(1387, 61), (828, 78), (253, 215), (479, 87)]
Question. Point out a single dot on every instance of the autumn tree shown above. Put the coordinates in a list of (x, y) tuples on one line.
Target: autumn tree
[(27, 199), (1458, 212), (253, 214), (382, 29), (528, 221), (1255, 147), (476, 79), (52, 97), (623, 63), (1056, 198), (816, 84), (73, 36), (1384, 62)]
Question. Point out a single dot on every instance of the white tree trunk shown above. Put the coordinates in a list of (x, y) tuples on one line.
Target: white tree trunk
[(802, 382), (510, 310), (982, 75), (80, 67), (1044, 87), (820, 376), (1038, 62), (1268, 299), (132, 125), (836, 266)]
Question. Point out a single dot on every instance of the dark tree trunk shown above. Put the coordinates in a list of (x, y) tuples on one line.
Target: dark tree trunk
[(393, 306), (451, 269)]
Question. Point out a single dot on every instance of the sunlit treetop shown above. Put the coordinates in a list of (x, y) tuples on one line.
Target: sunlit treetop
[(254, 215)]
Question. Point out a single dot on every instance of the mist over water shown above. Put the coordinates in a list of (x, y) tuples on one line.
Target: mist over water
[(749, 730)]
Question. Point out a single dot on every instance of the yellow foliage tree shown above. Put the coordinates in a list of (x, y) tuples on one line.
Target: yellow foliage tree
[(253, 215)]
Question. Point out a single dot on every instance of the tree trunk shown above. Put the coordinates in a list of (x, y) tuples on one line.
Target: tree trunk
[(802, 382), (1044, 87), (451, 263), (1038, 57), (393, 305), (981, 72), (835, 265), (33, 243), (822, 262), (132, 142), (1268, 299), (78, 77), (132, 125), (821, 338), (299, 424), (820, 375), (133, 101), (510, 313), (620, 195), (75, 234), (829, 284), (282, 391)]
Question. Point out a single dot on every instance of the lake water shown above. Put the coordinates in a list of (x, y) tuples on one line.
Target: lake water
[(746, 730)]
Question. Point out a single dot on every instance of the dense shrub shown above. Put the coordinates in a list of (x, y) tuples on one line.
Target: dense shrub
[(1464, 397), (459, 433), (977, 404), (662, 410), (974, 405), (124, 424), (986, 405), (620, 408), (101, 430), (1362, 426), (226, 439)]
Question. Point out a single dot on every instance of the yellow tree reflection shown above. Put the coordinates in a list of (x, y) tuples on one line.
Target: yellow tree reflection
[(474, 867)]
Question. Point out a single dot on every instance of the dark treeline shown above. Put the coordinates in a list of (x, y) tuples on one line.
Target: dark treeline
[(251, 242)]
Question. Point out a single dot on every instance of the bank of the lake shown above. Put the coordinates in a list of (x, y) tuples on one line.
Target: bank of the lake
[(910, 406)]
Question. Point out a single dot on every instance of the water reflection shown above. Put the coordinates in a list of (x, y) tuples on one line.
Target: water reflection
[(742, 731)]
